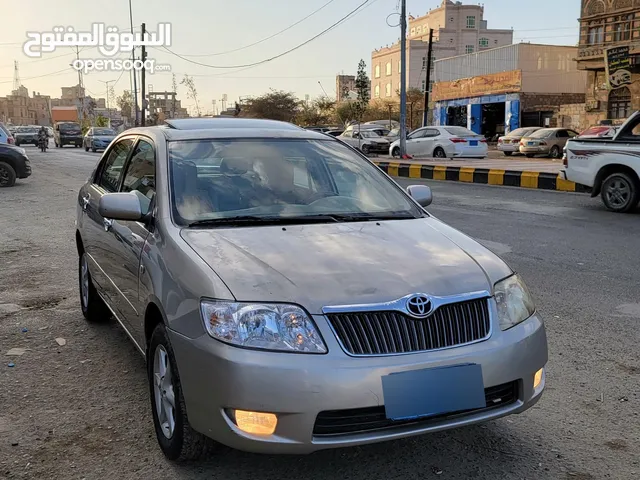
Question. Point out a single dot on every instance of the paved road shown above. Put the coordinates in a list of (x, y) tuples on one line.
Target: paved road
[(82, 411)]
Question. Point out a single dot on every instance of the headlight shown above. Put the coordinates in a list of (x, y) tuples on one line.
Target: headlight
[(280, 327), (514, 302)]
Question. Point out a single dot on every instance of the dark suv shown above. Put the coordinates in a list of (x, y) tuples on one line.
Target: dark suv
[(14, 163), (67, 133)]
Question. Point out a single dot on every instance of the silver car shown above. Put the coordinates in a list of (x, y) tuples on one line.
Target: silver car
[(288, 296)]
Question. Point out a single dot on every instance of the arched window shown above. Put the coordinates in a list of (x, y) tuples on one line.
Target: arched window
[(594, 7), (377, 92), (619, 103)]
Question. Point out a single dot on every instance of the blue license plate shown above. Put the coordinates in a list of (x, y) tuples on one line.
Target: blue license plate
[(530, 144), (473, 143), (433, 391)]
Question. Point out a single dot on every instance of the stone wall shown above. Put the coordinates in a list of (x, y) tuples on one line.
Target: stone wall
[(538, 102), (573, 116), (597, 96)]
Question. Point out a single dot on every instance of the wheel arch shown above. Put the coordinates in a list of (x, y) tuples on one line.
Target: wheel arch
[(610, 169), (154, 315)]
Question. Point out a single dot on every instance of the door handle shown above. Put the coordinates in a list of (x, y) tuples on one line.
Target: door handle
[(85, 201), (107, 224)]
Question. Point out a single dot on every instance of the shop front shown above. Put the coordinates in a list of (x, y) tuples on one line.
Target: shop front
[(488, 105)]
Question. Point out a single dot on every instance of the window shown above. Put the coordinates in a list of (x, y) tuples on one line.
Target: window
[(471, 22), (377, 71), (141, 172), (619, 103), (483, 42), (424, 63), (377, 91), (595, 35), (622, 28), (432, 132), (387, 90), (416, 134), (468, 49), (388, 69), (423, 86), (495, 42), (112, 166), (419, 31)]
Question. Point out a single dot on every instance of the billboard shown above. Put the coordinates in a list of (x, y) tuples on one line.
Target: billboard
[(618, 67), (491, 84)]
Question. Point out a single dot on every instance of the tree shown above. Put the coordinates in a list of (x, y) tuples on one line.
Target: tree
[(415, 106), (363, 87), (102, 121), (191, 91), (275, 105), (125, 103), (320, 111)]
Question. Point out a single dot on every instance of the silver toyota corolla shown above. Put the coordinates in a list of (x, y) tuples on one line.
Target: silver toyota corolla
[(289, 296)]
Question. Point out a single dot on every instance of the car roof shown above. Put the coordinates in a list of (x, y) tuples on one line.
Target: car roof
[(227, 122)]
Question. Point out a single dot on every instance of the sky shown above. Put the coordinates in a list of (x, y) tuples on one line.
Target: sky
[(215, 33)]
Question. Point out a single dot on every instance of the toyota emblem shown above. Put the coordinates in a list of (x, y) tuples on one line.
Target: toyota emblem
[(419, 305)]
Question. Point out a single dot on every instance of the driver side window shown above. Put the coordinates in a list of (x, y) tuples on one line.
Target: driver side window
[(416, 134), (111, 168)]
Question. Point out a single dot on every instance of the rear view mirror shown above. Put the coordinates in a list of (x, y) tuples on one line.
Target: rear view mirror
[(421, 194), (121, 206)]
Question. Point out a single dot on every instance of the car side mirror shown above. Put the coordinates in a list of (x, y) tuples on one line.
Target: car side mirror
[(121, 206), (421, 194)]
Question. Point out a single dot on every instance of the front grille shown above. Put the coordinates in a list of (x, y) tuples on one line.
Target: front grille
[(389, 332), (357, 420)]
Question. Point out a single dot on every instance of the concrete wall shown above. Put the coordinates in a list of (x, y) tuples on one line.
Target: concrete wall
[(550, 69)]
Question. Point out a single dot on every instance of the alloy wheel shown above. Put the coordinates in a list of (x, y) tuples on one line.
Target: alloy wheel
[(84, 282), (164, 395), (618, 193), (5, 177)]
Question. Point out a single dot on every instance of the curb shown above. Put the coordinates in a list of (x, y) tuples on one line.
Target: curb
[(486, 176)]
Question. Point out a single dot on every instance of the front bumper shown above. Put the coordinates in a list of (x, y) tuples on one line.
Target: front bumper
[(216, 377), (378, 148)]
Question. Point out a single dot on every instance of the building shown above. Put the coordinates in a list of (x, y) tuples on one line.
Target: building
[(457, 29), (505, 88), (166, 103), (39, 109), (345, 84), (606, 24), (72, 93)]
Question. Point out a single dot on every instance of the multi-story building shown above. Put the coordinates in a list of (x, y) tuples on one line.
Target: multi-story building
[(72, 93), (607, 24), (39, 109), (458, 29), (345, 84), (166, 103), (501, 89), (14, 108)]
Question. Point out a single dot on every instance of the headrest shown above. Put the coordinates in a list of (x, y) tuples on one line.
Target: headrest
[(235, 166)]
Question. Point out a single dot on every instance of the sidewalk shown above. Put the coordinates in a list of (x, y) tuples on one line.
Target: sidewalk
[(513, 171)]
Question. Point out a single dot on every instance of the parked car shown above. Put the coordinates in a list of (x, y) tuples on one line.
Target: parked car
[(26, 135), (609, 167), (98, 138), (510, 143), (443, 142), (388, 124), (546, 141), (334, 133), (368, 141), (380, 131), (14, 164), (67, 133), (599, 131), (5, 135), (49, 132), (288, 296)]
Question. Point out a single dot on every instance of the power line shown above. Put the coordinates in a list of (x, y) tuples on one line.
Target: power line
[(248, 65), (66, 70), (262, 40)]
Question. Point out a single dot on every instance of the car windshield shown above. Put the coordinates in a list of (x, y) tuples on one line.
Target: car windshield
[(103, 131), (69, 127), (544, 133), (214, 180), (27, 130), (460, 131), (369, 134)]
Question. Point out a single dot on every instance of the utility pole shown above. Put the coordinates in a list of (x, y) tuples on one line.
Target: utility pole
[(80, 96), (143, 78), (108, 104), (133, 72), (403, 78), (425, 114)]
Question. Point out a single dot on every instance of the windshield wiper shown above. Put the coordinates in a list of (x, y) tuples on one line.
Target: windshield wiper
[(248, 220)]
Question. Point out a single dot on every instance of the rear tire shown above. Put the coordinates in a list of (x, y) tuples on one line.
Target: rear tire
[(177, 441), (507, 154), (620, 193), (439, 153), (93, 307), (86, 149), (554, 152), (395, 153), (7, 175)]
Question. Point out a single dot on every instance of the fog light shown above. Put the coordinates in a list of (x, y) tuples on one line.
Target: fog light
[(255, 422), (537, 378)]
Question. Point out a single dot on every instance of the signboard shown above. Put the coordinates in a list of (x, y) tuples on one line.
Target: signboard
[(618, 67), (494, 83)]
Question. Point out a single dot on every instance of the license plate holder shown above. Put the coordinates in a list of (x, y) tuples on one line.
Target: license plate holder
[(434, 391)]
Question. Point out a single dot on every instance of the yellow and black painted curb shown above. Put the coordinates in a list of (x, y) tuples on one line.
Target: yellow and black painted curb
[(511, 178)]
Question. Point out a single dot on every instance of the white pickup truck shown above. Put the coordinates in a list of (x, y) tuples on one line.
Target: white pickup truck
[(609, 167)]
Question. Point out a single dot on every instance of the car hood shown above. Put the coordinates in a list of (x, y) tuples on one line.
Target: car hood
[(346, 263)]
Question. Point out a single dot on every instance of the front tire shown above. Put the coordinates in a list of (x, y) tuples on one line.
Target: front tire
[(177, 440), (620, 193), (507, 154), (94, 150), (530, 155), (93, 307), (7, 175), (366, 149)]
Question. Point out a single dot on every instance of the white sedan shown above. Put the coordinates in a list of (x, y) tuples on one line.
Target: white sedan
[(443, 142)]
